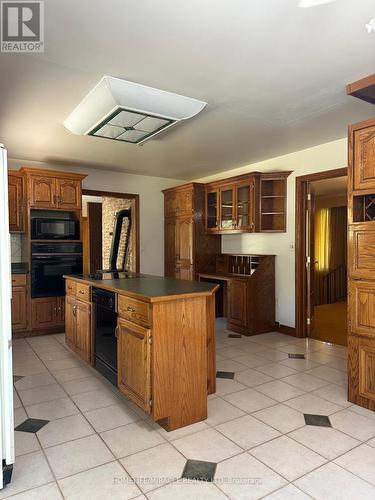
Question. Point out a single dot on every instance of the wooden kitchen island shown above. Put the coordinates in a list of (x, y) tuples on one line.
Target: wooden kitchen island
[(165, 341)]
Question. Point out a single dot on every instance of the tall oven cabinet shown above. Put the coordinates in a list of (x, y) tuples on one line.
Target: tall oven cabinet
[(361, 259), (188, 249)]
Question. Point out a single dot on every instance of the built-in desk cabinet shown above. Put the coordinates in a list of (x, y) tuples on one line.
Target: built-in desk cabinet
[(248, 289), (361, 264)]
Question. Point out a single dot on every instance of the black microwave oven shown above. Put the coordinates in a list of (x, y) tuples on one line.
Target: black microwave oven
[(54, 229)]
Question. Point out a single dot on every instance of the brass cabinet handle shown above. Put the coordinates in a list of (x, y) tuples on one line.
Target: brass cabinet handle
[(81, 292), (131, 309), (74, 310)]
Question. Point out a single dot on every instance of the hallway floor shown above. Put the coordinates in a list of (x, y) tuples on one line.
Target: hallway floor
[(331, 323), (279, 427)]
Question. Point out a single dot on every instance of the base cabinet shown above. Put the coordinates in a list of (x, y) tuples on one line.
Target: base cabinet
[(19, 308), (134, 363), (78, 327), (47, 312), (237, 303)]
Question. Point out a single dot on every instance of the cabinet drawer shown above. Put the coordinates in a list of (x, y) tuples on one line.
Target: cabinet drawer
[(83, 292), (134, 310), (70, 287), (19, 279)]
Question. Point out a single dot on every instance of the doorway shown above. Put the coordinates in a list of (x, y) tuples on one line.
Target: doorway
[(99, 209), (321, 261)]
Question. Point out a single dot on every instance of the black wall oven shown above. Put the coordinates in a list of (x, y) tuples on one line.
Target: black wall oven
[(54, 229), (49, 262)]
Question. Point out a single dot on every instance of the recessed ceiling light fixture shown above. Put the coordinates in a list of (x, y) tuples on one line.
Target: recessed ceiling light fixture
[(313, 3), (129, 112)]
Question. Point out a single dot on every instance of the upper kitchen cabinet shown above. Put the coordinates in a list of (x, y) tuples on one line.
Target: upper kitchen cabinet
[(363, 151), (273, 202), (248, 203), (16, 202), (231, 205), (52, 189)]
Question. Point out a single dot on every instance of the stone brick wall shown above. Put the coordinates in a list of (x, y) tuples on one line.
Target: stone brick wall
[(110, 207)]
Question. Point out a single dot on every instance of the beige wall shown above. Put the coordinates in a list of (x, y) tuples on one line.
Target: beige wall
[(151, 205), (324, 157)]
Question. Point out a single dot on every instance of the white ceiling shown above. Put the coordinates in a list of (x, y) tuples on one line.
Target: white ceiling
[(273, 75)]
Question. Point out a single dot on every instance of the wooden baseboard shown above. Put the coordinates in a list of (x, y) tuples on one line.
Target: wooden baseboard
[(288, 330)]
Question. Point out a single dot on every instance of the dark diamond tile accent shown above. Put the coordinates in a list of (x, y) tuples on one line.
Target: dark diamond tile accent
[(229, 375), (296, 356), (16, 378), (317, 420), (199, 470), (234, 336), (31, 425)]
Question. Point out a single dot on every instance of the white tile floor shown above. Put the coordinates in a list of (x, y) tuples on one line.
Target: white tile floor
[(97, 445)]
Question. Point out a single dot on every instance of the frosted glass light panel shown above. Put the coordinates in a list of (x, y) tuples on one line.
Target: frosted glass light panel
[(129, 126)]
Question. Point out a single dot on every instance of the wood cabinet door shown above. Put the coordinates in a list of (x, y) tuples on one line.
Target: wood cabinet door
[(244, 206), (170, 247), (60, 315), (83, 329), (184, 240), (16, 203), (42, 191), (68, 194), (44, 312), (170, 203), (237, 302), (361, 251), (184, 272), (227, 209), (212, 210), (134, 363), (362, 307), (70, 321), (19, 308), (364, 158), (366, 376)]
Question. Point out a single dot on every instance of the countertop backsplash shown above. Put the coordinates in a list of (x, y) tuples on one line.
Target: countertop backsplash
[(16, 247)]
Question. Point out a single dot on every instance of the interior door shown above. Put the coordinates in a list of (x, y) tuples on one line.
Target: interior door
[(95, 237), (310, 259)]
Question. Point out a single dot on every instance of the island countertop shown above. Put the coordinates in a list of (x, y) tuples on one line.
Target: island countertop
[(147, 287)]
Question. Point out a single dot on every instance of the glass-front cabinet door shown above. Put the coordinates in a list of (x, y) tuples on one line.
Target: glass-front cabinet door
[(245, 206), (212, 210), (227, 217)]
